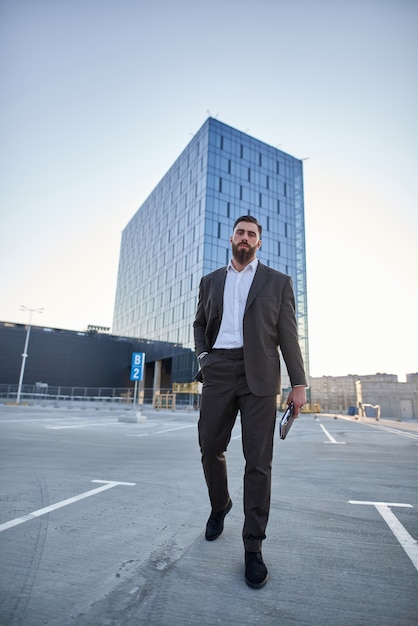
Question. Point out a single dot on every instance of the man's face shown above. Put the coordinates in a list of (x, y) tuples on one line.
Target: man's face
[(245, 242)]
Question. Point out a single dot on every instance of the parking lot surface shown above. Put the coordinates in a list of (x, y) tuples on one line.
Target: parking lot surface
[(102, 523)]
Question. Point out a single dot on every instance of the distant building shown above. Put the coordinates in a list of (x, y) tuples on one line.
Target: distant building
[(182, 230), (334, 393), (339, 393), (412, 378), (394, 399)]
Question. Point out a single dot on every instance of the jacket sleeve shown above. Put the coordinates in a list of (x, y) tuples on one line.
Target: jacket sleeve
[(288, 337), (200, 323)]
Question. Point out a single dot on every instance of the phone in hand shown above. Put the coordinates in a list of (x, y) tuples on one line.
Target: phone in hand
[(287, 421)]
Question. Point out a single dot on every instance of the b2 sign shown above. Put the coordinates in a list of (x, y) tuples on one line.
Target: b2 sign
[(137, 365)]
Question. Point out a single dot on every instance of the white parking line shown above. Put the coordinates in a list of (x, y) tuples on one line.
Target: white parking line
[(107, 484), (25, 420), (160, 432), (330, 437), (79, 425), (396, 431), (389, 429), (408, 543)]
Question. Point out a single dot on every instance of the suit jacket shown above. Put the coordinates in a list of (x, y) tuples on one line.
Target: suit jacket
[(269, 323)]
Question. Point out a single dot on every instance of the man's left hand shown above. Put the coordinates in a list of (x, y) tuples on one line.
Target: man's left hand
[(298, 397)]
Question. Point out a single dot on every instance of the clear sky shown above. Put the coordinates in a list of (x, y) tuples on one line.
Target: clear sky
[(99, 98)]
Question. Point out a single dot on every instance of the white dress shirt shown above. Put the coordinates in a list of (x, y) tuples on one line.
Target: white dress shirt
[(237, 287)]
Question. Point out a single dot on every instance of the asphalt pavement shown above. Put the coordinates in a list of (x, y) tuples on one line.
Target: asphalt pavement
[(103, 514)]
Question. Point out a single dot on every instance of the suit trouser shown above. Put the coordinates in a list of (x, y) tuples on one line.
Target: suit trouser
[(225, 392)]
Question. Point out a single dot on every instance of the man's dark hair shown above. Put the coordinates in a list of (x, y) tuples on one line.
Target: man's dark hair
[(249, 218)]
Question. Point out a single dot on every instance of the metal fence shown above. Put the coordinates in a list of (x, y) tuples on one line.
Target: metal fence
[(123, 397)]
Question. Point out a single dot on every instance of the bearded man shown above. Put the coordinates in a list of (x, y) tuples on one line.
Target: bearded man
[(245, 314)]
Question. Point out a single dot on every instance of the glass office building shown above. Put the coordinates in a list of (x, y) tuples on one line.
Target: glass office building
[(182, 231)]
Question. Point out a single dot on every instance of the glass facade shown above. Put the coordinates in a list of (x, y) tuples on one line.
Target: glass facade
[(182, 231)]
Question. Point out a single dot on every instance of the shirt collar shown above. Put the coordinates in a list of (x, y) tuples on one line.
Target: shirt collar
[(251, 267)]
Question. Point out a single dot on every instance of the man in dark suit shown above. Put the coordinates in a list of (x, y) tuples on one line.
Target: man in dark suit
[(245, 312)]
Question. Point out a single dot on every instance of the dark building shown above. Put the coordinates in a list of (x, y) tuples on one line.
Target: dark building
[(66, 359)]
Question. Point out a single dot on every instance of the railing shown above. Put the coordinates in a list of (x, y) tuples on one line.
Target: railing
[(165, 401), (101, 396)]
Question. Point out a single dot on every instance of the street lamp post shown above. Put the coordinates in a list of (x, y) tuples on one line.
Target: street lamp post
[(25, 349)]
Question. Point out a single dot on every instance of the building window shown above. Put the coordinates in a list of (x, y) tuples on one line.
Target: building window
[(249, 174), (220, 184), (222, 142)]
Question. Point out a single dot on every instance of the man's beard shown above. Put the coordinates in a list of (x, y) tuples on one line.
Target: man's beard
[(243, 255)]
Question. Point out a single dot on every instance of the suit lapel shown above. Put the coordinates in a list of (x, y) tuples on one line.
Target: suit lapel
[(219, 286), (259, 281)]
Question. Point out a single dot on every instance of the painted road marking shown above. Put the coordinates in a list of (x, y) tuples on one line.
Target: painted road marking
[(40, 420), (78, 426), (389, 429), (330, 437), (408, 543), (107, 484), (37, 419), (160, 432)]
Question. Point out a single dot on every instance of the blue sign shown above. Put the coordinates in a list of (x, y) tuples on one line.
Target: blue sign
[(137, 365)]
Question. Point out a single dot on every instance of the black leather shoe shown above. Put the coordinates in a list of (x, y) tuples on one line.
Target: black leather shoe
[(256, 574), (215, 523)]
